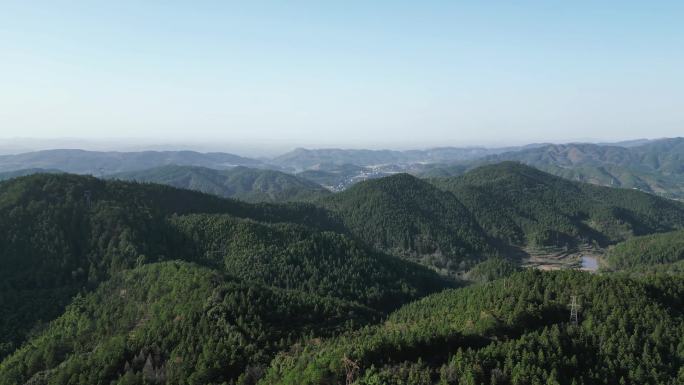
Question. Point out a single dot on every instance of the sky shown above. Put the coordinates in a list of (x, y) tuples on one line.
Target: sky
[(390, 74)]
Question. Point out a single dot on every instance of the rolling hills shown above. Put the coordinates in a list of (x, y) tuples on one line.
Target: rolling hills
[(107, 281), (503, 209), (63, 234), (252, 185), (108, 162), (27, 171), (524, 206), (408, 216), (655, 166)]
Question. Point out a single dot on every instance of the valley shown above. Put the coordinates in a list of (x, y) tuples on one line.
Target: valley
[(123, 280), (585, 259)]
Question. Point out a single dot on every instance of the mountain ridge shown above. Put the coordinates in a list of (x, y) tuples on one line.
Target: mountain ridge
[(252, 185)]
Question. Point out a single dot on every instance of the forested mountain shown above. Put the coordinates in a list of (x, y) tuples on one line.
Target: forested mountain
[(252, 185), (521, 205), (647, 250), (292, 256), (63, 234), (113, 282), (452, 223), (174, 323), (512, 331), (653, 166), (409, 216), (108, 162), (656, 166)]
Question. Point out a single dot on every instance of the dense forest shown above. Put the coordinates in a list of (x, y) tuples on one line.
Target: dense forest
[(408, 216), (511, 331), (452, 223), (63, 233), (394, 281), (524, 206), (648, 250), (177, 323)]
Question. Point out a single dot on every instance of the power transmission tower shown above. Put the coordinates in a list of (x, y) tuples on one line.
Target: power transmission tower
[(574, 310), (352, 369)]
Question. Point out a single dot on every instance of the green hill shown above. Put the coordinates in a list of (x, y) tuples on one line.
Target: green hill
[(64, 234), (174, 323), (252, 185), (512, 331), (409, 216), (524, 206), (647, 250), (297, 257), (126, 283), (655, 166)]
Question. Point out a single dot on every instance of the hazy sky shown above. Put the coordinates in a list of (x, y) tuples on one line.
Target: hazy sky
[(346, 73)]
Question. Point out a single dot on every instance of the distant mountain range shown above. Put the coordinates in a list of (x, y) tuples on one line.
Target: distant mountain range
[(654, 166), (100, 163), (304, 159)]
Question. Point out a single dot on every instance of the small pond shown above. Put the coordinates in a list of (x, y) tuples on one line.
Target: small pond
[(589, 263)]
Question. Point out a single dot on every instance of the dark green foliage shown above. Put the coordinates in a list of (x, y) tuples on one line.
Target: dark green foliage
[(298, 257), (492, 269), (174, 323), (252, 185), (62, 233), (107, 282), (647, 250), (524, 206), (406, 215), (513, 331)]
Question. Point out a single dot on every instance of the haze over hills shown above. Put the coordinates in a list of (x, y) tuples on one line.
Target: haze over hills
[(248, 184), (27, 171), (649, 165), (101, 163), (654, 166), (303, 159)]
